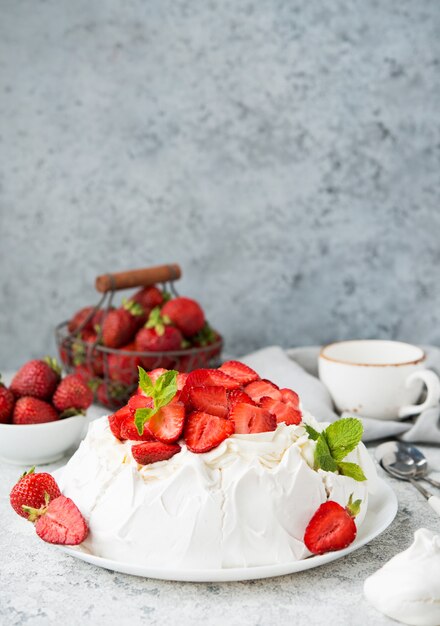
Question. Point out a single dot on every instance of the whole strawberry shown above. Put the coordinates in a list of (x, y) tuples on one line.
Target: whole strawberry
[(148, 298), (86, 353), (120, 325), (151, 340), (29, 410), (72, 393), (82, 318), (111, 394), (37, 378), (186, 314), (31, 490), (124, 367), (7, 401)]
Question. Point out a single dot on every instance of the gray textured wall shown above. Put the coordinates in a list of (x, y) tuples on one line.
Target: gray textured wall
[(286, 153)]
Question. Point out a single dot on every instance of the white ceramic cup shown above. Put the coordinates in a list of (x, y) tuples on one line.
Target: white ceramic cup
[(379, 379)]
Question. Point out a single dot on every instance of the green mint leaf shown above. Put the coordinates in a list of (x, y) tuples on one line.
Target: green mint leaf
[(312, 433), (353, 470), (343, 436), (323, 457), (165, 388), (162, 392), (145, 383), (141, 416)]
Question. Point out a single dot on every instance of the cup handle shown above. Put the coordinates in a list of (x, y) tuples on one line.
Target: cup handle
[(432, 383)]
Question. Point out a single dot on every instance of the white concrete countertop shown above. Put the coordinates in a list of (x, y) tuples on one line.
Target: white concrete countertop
[(40, 585)]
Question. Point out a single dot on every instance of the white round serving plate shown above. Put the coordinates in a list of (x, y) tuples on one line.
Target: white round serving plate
[(382, 509)]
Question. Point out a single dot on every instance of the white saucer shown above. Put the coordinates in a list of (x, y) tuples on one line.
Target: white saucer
[(382, 508)]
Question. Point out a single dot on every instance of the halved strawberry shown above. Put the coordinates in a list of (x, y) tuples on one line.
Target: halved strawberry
[(203, 431), (252, 419), (115, 420), (290, 397), (239, 371), (62, 523), (129, 431), (331, 528), (153, 451), (207, 377), (237, 395), (215, 378), (139, 402), (167, 424), (282, 411), (261, 388), (213, 400)]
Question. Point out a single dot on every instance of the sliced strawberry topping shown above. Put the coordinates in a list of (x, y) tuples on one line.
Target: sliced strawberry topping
[(237, 395), (252, 419), (282, 411), (214, 378), (139, 402), (203, 431), (115, 421), (154, 451), (129, 431), (62, 523), (290, 397), (213, 400), (167, 424), (331, 528), (181, 380), (261, 388), (207, 377), (239, 371)]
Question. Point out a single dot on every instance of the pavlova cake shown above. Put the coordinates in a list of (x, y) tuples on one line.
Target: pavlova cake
[(207, 470), (217, 469)]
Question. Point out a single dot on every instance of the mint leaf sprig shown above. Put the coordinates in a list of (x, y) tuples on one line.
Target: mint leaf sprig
[(161, 392), (334, 443)]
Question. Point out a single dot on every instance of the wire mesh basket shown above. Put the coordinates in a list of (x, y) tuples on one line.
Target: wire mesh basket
[(112, 373)]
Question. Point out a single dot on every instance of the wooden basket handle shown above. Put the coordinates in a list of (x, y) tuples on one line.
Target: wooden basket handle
[(138, 278)]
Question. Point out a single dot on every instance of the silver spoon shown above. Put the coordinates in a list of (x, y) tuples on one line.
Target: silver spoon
[(389, 460), (407, 460)]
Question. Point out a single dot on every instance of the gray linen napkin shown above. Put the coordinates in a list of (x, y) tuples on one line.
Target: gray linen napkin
[(297, 368)]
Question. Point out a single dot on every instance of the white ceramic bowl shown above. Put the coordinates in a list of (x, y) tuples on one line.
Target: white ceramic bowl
[(35, 444)]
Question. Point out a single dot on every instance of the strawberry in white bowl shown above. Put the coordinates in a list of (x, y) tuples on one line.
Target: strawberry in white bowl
[(42, 415)]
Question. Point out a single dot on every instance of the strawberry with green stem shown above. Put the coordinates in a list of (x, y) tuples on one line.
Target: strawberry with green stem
[(158, 336), (37, 378), (72, 394), (30, 410), (119, 326), (186, 314), (332, 527), (32, 490), (149, 298)]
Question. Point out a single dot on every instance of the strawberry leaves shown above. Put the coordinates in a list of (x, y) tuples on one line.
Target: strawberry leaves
[(334, 443), (161, 392), (157, 321)]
